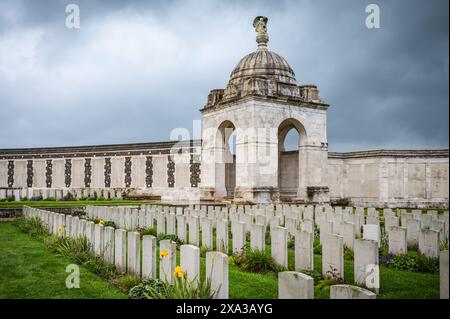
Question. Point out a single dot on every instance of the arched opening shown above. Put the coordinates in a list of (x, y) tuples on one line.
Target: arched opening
[(226, 160), (291, 136)]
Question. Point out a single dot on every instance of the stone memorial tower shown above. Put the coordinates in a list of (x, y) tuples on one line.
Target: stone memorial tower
[(260, 105)]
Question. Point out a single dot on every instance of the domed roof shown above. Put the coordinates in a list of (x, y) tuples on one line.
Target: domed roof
[(263, 63), (263, 73)]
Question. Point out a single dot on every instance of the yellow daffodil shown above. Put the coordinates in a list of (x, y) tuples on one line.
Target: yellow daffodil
[(60, 229), (163, 253), (101, 222), (178, 272)]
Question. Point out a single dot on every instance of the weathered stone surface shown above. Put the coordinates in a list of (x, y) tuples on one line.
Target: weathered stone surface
[(304, 251), (217, 273), (397, 240), (120, 249), (108, 245), (278, 244), (350, 292), (258, 237), (148, 256), (167, 260), (295, 285), (365, 259), (190, 262), (134, 254), (333, 256), (238, 236), (429, 242)]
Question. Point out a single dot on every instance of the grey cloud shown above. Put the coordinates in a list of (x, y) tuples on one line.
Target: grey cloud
[(137, 69)]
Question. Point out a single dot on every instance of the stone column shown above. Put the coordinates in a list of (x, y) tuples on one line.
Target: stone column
[(217, 273), (167, 261)]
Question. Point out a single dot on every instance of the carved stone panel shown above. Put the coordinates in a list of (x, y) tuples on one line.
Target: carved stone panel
[(149, 171), (30, 173), (67, 173), (195, 170), (87, 172), (107, 172), (128, 164), (48, 173), (170, 171), (10, 173)]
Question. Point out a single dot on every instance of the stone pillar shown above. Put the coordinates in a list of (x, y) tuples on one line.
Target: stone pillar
[(181, 227), (238, 236), (429, 242), (193, 230), (108, 245), (207, 233), (120, 249), (333, 255), (258, 237), (412, 233), (372, 232), (190, 262), (295, 285), (304, 251), (167, 261), (278, 244), (134, 254), (149, 256), (217, 273), (222, 235), (397, 240), (366, 260), (98, 239), (171, 224)]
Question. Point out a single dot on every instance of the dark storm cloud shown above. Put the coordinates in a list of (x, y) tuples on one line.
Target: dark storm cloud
[(137, 69)]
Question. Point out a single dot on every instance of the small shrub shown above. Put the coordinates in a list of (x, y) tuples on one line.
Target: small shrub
[(32, 226), (348, 253), (51, 199), (142, 290), (147, 231), (77, 250), (316, 275), (317, 246), (96, 265), (174, 238), (126, 282), (415, 262), (182, 288), (255, 261), (23, 198)]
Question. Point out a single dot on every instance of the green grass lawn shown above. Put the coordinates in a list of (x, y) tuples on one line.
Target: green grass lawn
[(45, 203), (29, 270)]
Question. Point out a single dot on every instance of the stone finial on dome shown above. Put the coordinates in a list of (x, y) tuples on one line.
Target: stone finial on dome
[(260, 25)]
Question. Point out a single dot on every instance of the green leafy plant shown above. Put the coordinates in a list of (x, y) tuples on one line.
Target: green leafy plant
[(348, 253), (316, 275), (415, 262), (317, 246), (32, 226), (255, 261), (77, 250), (126, 282), (147, 231), (174, 238), (146, 287)]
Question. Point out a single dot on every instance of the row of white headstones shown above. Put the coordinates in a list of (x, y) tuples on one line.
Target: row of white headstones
[(122, 247)]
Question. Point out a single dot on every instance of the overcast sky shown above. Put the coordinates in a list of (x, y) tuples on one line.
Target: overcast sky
[(137, 69)]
